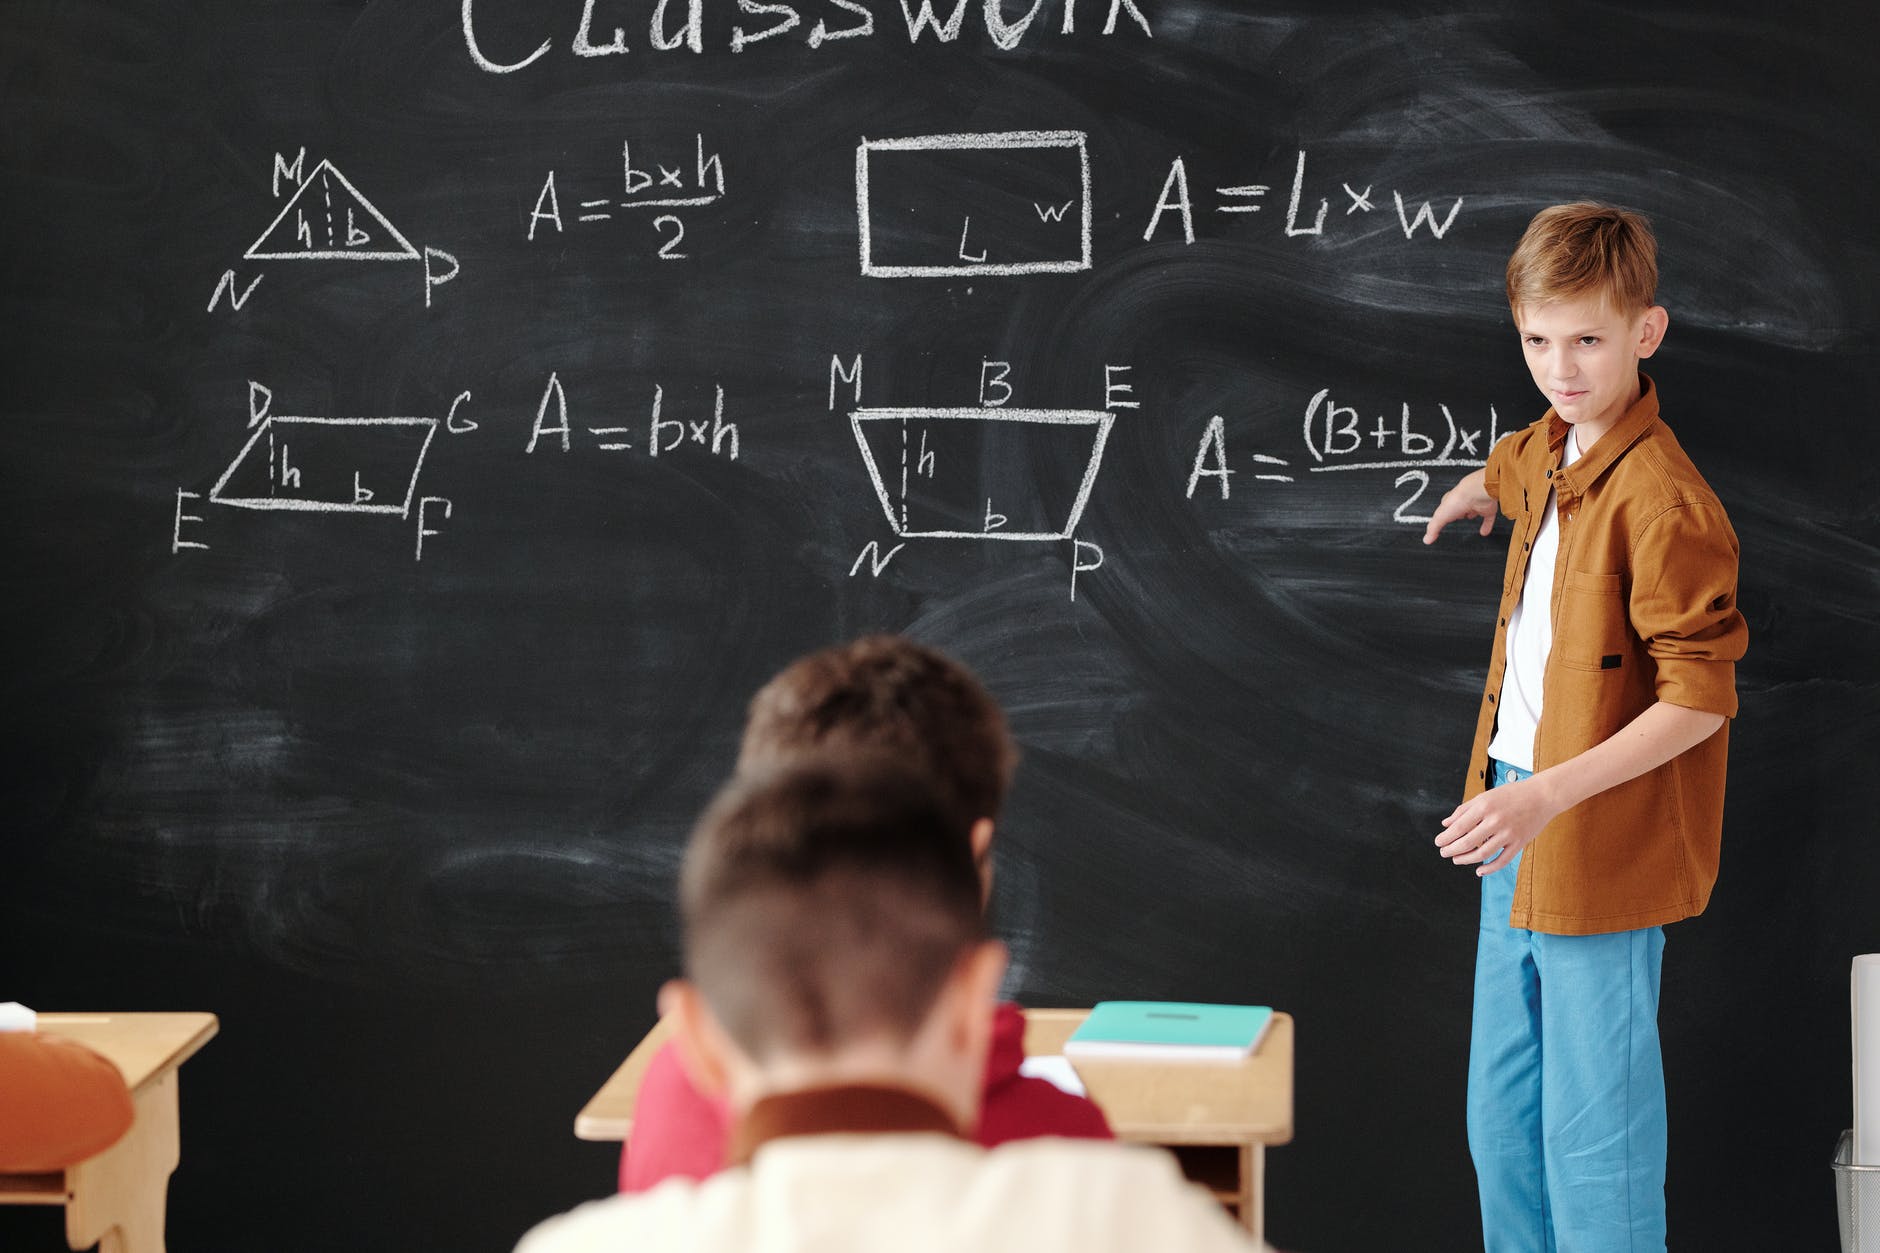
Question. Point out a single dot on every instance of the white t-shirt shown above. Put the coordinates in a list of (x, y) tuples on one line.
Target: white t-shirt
[(1530, 638)]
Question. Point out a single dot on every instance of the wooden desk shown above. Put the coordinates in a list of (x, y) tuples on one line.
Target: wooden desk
[(117, 1198), (1218, 1119), (608, 1115)]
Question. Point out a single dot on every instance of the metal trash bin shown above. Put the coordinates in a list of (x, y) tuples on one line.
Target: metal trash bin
[(1857, 1197)]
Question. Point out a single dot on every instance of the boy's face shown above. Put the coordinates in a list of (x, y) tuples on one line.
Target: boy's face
[(1584, 355)]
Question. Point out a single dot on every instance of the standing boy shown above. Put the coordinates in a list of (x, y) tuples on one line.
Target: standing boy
[(1596, 779), (839, 989)]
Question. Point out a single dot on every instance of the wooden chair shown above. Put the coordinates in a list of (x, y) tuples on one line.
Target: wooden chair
[(118, 1198)]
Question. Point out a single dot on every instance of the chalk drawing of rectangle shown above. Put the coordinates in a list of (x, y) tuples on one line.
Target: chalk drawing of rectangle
[(339, 452), (1073, 179), (1080, 425)]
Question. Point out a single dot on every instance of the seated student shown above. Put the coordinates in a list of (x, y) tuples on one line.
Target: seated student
[(890, 695), (839, 989), (60, 1103)]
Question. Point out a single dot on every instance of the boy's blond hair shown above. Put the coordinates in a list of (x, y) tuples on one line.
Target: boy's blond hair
[(1573, 250)]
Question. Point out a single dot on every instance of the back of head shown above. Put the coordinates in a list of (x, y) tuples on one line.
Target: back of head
[(886, 694), (825, 905), (1583, 249)]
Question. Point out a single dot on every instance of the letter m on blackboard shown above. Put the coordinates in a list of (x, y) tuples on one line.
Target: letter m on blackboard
[(293, 170)]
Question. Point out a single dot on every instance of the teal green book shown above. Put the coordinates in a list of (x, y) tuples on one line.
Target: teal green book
[(1170, 1031)]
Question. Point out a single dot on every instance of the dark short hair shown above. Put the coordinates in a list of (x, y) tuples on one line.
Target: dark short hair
[(827, 903), (886, 694)]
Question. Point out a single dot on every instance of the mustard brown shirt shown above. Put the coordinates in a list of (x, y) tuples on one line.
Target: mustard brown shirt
[(1644, 610)]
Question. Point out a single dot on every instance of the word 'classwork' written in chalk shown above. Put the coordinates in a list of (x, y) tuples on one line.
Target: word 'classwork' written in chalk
[(504, 39)]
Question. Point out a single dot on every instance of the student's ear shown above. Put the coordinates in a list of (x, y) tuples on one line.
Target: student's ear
[(703, 1045), (1652, 328), (981, 838)]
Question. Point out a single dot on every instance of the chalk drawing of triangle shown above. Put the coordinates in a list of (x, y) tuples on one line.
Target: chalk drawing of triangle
[(328, 220)]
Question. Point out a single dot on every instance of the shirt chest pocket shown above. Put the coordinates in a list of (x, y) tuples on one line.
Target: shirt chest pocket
[(1593, 631)]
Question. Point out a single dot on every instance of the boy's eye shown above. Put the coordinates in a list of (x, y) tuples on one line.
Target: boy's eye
[(1587, 341)]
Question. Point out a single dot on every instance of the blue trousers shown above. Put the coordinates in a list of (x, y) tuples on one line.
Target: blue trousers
[(1566, 1085)]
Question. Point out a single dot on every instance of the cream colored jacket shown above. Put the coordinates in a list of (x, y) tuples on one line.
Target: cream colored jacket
[(911, 1193)]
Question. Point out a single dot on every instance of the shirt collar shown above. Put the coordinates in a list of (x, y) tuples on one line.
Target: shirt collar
[(1593, 462), (866, 1109)]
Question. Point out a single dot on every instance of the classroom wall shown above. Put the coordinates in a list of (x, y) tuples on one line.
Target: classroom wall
[(425, 425)]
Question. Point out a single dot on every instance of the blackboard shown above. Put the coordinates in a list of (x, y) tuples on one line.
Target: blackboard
[(397, 784)]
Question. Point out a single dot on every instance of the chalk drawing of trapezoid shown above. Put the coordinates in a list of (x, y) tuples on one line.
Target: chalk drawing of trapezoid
[(996, 474), (328, 465), (328, 220), (944, 206)]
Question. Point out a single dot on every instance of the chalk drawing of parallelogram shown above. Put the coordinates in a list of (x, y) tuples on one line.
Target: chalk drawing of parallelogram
[(328, 465), (328, 220), (993, 474), (1013, 202)]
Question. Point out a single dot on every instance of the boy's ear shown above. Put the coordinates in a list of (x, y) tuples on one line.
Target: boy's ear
[(981, 837), (982, 841), (1652, 328), (704, 1047)]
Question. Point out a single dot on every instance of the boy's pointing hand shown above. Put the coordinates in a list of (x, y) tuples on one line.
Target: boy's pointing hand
[(1469, 498)]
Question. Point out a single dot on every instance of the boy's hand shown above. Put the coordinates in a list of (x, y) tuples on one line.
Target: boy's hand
[(1488, 831), (1469, 498)]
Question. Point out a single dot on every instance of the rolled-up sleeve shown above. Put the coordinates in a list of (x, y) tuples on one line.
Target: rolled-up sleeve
[(1683, 605)]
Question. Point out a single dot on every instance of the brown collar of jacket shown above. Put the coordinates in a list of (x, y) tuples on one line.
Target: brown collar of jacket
[(849, 1109), (1571, 481)]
